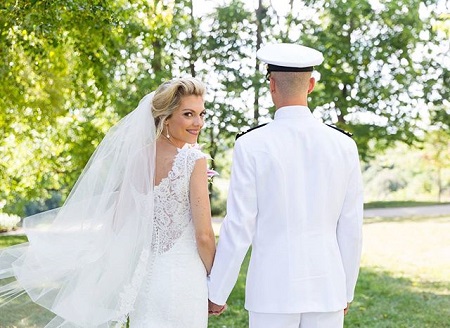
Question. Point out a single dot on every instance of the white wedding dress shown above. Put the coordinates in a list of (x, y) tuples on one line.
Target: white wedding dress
[(174, 290), (119, 246)]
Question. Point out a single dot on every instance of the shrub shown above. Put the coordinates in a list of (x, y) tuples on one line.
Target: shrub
[(8, 222)]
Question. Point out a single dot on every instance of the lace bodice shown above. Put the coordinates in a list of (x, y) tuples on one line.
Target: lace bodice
[(171, 201)]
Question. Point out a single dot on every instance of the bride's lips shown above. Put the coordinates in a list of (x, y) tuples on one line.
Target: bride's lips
[(194, 132)]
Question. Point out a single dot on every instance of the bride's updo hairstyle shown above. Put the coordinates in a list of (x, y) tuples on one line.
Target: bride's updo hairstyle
[(168, 97)]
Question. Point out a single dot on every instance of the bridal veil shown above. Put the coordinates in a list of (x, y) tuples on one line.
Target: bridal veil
[(85, 261)]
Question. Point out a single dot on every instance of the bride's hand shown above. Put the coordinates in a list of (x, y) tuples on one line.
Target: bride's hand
[(346, 309)]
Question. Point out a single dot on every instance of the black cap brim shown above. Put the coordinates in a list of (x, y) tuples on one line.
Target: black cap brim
[(276, 68)]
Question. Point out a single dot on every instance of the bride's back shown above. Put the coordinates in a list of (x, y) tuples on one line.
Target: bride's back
[(165, 156)]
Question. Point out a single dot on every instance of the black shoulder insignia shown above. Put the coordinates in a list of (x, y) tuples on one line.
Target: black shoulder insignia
[(340, 130), (240, 134)]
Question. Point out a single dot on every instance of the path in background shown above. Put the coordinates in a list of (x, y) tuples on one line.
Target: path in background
[(397, 212), (394, 212), (432, 210)]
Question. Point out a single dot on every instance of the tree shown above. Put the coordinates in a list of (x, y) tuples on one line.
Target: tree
[(229, 47), (436, 91), (71, 69), (436, 153), (373, 77)]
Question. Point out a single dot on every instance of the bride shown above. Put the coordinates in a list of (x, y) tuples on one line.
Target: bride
[(134, 239)]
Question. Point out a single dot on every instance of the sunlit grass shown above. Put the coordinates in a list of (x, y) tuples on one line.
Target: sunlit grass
[(404, 280), (416, 248), (402, 203), (6, 241)]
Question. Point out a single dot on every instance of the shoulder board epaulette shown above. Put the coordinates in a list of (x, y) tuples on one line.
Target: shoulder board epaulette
[(240, 134), (340, 130)]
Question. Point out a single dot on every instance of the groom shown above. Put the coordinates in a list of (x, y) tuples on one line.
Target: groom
[(296, 197)]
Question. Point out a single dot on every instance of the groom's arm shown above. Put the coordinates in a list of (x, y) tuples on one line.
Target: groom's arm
[(349, 229), (238, 227)]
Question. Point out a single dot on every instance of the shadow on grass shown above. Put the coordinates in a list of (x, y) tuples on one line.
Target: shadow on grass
[(23, 313), (381, 301), (404, 203)]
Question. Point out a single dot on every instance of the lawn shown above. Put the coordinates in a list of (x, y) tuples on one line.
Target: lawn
[(404, 279), (402, 203)]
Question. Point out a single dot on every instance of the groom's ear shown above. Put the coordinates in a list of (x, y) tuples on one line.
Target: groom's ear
[(272, 84), (312, 84)]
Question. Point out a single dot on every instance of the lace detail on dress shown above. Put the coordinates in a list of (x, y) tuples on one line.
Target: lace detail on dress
[(171, 201), (130, 291)]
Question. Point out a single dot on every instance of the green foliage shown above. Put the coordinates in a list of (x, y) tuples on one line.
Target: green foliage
[(218, 198), (70, 69), (418, 173), (373, 79), (437, 90), (8, 222), (227, 48)]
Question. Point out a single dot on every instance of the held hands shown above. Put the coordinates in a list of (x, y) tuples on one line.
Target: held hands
[(346, 309), (214, 309)]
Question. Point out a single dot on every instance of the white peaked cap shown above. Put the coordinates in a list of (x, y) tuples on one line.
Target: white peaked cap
[(289, 57)]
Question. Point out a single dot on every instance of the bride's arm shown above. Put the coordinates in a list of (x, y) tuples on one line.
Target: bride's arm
[(201, 213)]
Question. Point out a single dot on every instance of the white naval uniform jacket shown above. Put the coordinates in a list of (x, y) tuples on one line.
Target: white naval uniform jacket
[(296, 196)]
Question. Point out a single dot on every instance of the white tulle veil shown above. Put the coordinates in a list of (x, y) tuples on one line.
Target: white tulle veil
[(85, 261)]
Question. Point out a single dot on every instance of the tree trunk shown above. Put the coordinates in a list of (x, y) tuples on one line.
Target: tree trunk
[(341, 112), (193, 39), (212, 154), (439, 184), (156, 61), (259, 17)]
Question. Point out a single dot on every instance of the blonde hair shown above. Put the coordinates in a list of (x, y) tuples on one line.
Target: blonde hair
[(168, 96)]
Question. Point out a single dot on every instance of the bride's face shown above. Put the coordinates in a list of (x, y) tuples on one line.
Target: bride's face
[(186, 121)]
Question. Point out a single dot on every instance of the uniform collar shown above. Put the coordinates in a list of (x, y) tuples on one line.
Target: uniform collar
[(292, 112)]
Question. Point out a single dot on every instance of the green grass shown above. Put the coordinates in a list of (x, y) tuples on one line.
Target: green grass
[(403, 283), (403, 203), (21, 312), (6, 241), (381, 301)]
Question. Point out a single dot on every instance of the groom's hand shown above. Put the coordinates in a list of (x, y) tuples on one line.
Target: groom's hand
[(214, 309)]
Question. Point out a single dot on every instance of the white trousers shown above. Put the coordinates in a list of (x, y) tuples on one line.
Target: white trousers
[(297, 320)]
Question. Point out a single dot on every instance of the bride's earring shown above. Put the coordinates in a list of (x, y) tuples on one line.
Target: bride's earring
[(167, 133)]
